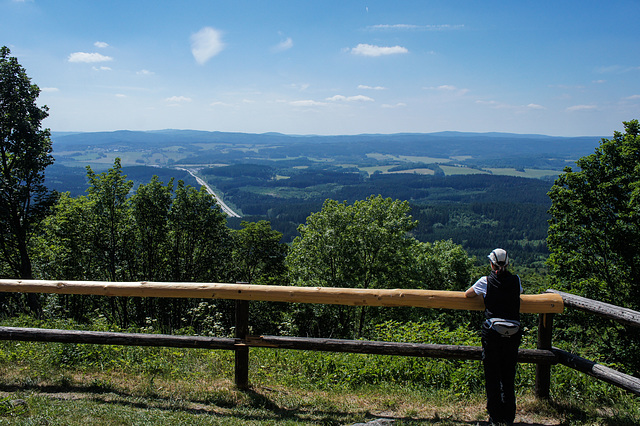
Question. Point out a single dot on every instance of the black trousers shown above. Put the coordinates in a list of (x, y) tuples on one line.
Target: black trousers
[(499, 357)]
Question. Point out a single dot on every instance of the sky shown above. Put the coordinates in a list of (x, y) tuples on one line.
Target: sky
[(561, 68)]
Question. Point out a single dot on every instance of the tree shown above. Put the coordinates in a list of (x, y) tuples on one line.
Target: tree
[(360, 245), (594, 239), (151, 205), (258, 253), (200, 240), (25, 152), (594, 231), (63, 245), (364, 245), (112, 227), (441, 265)]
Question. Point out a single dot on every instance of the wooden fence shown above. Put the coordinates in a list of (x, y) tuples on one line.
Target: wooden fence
[(625, 316), (546, 305)]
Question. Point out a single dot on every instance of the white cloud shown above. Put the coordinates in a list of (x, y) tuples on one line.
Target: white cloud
[(145, 72), (49, 89), (411, 27), (101, 68), (101, 44), (300, 87), (565, 87), (372, 50), (357, 98), (447, 88), (633, 97), (581, 108), (616, 69), (495, 104), (120, 95), (535, 106), (283, 45), (398, 105), (178, 99), (205, 44), (307, 103), (362, 86), (88, 57)]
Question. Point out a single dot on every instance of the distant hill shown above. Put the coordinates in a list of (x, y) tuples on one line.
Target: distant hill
[(441, 144)]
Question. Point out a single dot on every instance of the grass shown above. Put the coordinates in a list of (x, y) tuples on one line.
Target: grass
[(162, 386), (96, 399)]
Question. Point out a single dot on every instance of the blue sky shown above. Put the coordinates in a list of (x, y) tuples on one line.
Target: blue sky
[(566, 68)]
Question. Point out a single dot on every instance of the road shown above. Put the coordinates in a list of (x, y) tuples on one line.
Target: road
[(221, 203)]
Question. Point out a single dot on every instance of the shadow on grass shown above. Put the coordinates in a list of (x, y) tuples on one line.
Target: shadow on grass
[(256, 406), (575, 414)]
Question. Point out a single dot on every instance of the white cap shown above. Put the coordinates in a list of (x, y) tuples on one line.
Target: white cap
[(499, 257)]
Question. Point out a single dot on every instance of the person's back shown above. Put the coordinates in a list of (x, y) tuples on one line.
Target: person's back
[(502, 299)]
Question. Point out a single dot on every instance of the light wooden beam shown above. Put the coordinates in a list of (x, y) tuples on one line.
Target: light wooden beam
[(533, 304)]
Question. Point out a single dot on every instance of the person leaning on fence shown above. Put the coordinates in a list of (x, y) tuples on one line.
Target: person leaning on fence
[(501, 336)]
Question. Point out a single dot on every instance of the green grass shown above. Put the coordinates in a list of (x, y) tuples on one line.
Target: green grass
[(120, 397), (77, 384)]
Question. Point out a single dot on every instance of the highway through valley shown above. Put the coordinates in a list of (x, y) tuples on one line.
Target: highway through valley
[(221, 203)]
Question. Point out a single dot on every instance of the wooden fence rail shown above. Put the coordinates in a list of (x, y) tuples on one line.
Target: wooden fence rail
[(606, 310), (625, 316), (274, 342), (532, 304)]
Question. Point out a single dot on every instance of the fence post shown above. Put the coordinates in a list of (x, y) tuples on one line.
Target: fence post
[(241, 350), (543, 370)]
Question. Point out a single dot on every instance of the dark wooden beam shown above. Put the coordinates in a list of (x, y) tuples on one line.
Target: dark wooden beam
[(622, 315), (599, 371)]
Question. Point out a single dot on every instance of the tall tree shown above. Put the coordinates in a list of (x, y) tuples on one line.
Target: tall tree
[(25, 152), (112, 230), (200, 240), (594, 232), (364, 245), (360, 245), (258, 253), (150, 206), (594, 239)]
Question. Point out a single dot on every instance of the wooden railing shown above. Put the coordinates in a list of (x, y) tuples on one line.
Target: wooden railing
[(623, 315), (546, 305)]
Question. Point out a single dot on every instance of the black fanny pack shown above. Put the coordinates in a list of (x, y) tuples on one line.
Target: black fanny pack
[(503, 327)]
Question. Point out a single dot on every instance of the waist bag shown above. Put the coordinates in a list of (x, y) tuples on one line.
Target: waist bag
[(504, 327)]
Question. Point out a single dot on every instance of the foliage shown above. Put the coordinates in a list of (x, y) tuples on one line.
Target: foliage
[(594, 233), (112, 226), (258, 254), (594, 239), (362, 245), (25, 152), (157, 233)]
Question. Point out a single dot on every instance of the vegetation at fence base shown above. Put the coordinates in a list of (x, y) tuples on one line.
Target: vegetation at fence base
[(142, 385)]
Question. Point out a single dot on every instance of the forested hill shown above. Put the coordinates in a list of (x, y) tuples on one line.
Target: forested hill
[(453, 180), (441, 145)]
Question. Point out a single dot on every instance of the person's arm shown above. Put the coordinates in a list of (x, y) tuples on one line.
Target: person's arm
[(480, 287)]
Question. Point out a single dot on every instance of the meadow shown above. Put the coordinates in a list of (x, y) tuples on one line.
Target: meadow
[(68, 384)]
